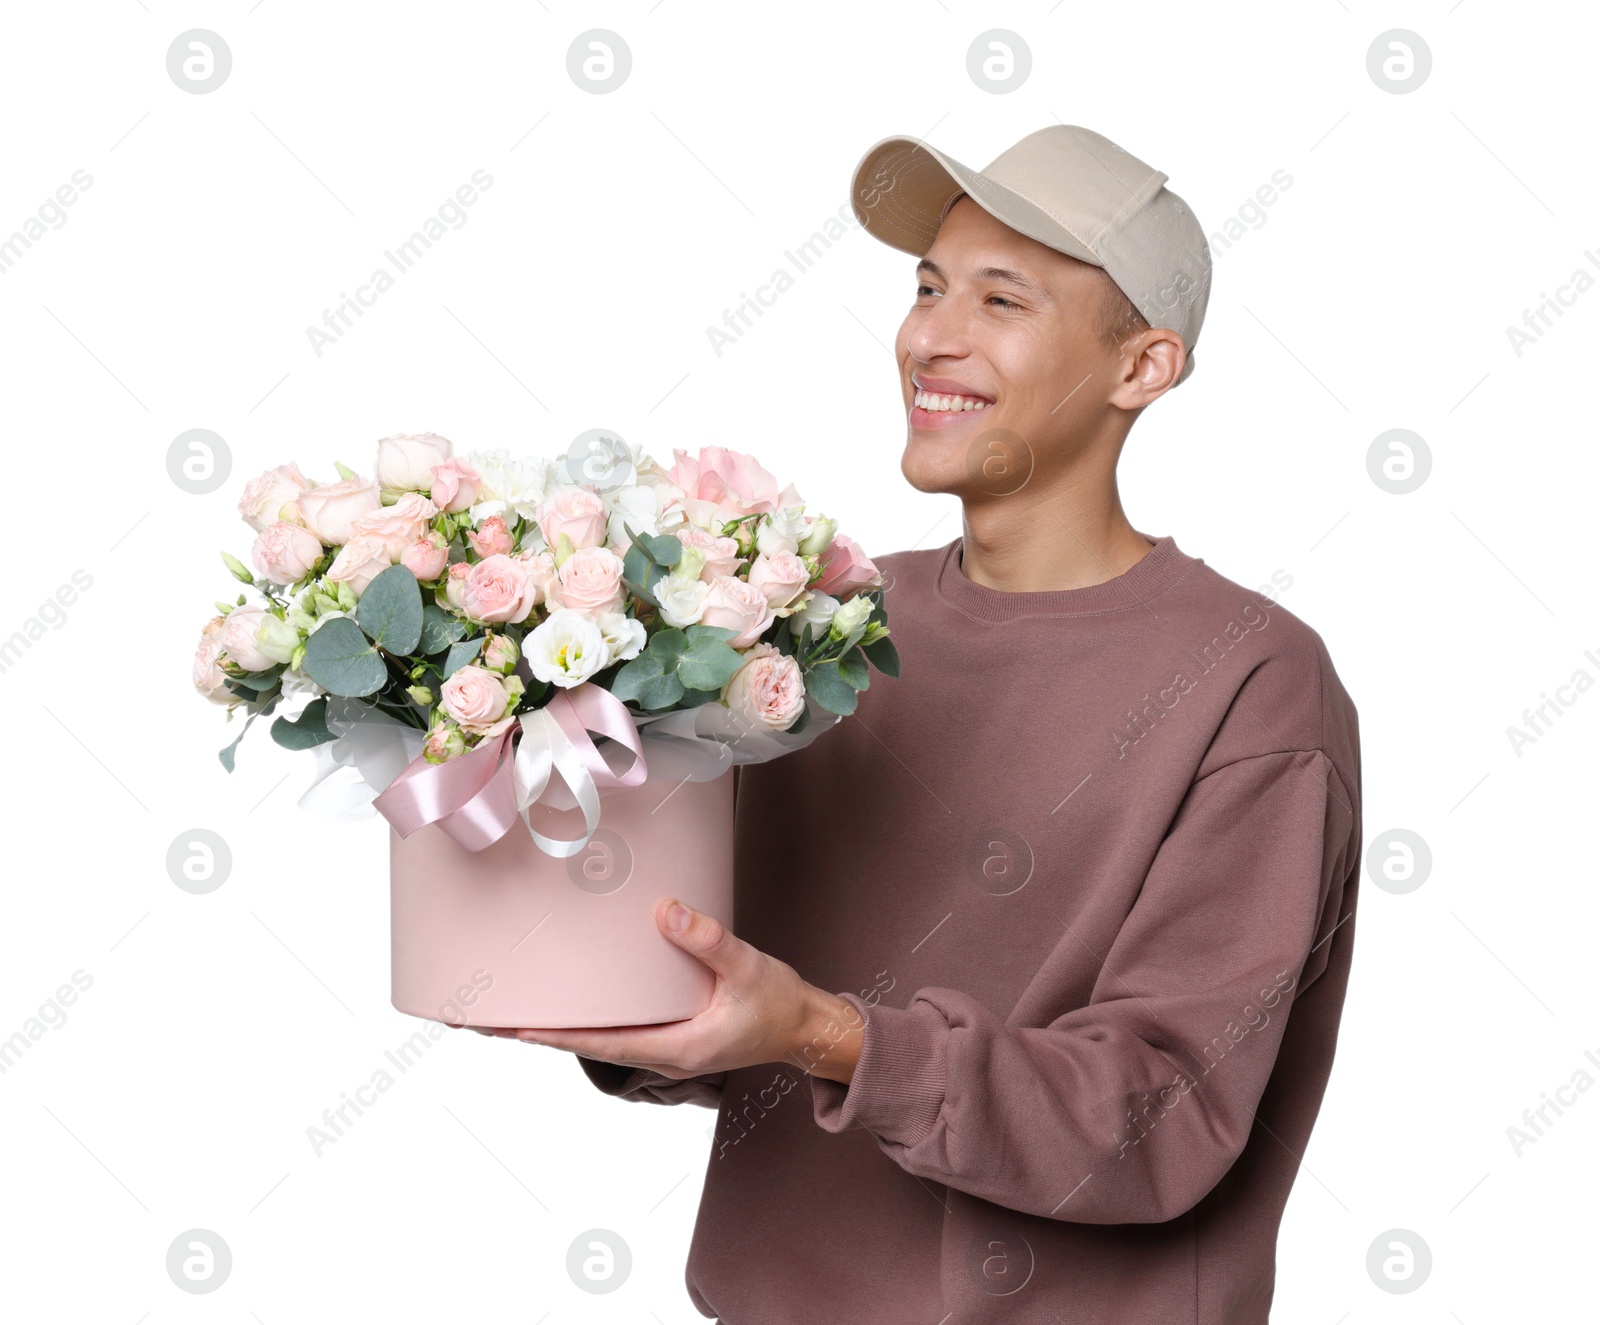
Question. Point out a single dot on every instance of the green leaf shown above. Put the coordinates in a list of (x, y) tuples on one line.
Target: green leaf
[(692, 699), (853, 667), (462, 654), (830, 690), (310, 729), (708, 664), (440, 629), (258, 681), (390, 611), (645, 681), (668, 646), (702, 631), (339, 659), (636, 567), (665, 549), (883, 655), (227, 752)]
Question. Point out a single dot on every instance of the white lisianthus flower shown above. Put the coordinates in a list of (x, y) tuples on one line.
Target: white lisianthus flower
[(683, 601), (850, 615), (816, 611), (782, 532), (566, 648), (511, 486), (624, 635)]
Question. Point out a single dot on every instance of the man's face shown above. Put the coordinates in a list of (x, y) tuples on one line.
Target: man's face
[(1028, 346)]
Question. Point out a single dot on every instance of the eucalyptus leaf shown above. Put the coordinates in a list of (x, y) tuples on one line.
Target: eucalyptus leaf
[(339, 659), (461, 655), (440, 629), (853, 667), (708, 664), (831, 690), (308, 730), (883, 655), (390, 611)]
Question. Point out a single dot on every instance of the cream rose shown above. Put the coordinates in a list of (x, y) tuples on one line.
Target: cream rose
[(575, 512), (590, 581), (240, 641), (682, 601), (475, 698), (780, 576), (405, 462), (208, 673), (266, 495), (734, 605), (285, 553), (359, 562), (498, 588), (397, 527), (329, 510), (769, 690), (721, 554)]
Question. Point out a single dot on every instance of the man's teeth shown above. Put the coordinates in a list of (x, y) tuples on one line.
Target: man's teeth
[(955, 404)]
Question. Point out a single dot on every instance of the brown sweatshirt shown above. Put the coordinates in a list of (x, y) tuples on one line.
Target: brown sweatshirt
[(1088, 870)]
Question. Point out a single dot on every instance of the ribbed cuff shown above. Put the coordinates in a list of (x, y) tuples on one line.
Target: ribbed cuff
[(898, 1086)]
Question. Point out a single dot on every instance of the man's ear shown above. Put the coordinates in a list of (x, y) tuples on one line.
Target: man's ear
[(1151, 362)]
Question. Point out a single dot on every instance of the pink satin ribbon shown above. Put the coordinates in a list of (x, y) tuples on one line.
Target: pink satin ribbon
[(473, 797)]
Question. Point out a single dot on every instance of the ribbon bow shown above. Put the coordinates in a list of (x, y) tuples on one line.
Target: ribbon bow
[(475, 797)]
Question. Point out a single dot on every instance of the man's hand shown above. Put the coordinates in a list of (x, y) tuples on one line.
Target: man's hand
[(761, 1011)]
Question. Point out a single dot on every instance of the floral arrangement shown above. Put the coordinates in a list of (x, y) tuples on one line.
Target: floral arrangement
[(455, 594)]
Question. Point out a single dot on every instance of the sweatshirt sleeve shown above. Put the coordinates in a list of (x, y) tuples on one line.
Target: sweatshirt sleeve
[(640, 1083), (1131, 1108)]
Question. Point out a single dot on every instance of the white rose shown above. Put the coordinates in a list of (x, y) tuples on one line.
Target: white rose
[(819, 533), (783, 532), (565, 649), (682, 601), (405, 463), (635, 508), (817, 612), (850, 615)]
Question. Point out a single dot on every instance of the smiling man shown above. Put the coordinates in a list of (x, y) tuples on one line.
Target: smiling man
[(1041, 954)]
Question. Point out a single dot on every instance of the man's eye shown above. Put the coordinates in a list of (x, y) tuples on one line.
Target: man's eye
[(1005, 301), (924, 289)]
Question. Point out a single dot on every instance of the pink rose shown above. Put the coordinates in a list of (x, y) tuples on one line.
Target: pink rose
[(427, 557), (846, 569), (491, 537), (238, 638), (208, 673), (397, 527), (475, 698), (719, 480), (722, 554), (541, 567), (498, 589), (359, 562), (456, 485), (455, 585), (768, 690), (732, 604), (590, 581), (285, 553), (406, 463), (780, 576), (329, 510), (266, 495), (576, 512)]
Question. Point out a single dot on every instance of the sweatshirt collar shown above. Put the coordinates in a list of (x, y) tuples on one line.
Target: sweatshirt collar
[(1153, 573)]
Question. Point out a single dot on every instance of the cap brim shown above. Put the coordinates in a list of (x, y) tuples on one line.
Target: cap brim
[(902, 189)]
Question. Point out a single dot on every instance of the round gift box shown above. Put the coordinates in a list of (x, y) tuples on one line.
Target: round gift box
[(512, 936)]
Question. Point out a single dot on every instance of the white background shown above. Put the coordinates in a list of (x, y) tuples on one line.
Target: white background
[(1376, 294)]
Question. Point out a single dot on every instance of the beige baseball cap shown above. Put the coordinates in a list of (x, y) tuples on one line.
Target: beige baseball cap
[(1071, 189)]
